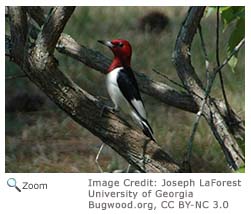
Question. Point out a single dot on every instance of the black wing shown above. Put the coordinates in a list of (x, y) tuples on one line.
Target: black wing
[(128, 86)]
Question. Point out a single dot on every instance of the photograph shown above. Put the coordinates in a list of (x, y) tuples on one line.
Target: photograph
[(125, 89)]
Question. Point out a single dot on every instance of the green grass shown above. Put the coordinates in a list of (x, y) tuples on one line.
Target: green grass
[(49, 141)]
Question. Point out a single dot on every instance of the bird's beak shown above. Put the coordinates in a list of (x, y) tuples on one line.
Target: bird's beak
[(106, 43)]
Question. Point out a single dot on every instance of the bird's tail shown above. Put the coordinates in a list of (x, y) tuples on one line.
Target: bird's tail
[(147, 130)]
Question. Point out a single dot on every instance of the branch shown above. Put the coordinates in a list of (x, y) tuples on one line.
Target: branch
[(37, 13), (42, 68), (162, 92), (187, 159), (218, 59), (170, 80), (205, 54), (210, 82), (110, 128), (17, 76), (18, 30), (189, 78), (235, 50), (53, 27)]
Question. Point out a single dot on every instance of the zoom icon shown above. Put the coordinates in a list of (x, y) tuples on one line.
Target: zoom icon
[(11, 182)]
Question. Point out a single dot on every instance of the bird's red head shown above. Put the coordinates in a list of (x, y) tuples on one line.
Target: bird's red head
[(122, 51)]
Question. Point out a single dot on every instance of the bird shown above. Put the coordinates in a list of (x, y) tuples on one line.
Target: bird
[(122, 85)]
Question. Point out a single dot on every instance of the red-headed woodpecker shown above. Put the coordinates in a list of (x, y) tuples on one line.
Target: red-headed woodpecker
[(122, 85)]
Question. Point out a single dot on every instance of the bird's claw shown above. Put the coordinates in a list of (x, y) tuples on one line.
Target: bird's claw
[(112, 109)]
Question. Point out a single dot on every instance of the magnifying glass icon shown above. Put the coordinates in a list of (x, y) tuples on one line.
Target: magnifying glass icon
[(11, 182)]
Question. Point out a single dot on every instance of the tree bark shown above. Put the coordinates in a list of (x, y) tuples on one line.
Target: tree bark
[(188, 76), (18, 23), (42, 69)]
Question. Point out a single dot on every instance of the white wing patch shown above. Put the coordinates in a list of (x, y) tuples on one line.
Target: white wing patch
[(136, 118), (139, 107)]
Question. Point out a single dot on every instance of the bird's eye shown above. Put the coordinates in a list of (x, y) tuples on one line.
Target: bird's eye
[(120, 44)]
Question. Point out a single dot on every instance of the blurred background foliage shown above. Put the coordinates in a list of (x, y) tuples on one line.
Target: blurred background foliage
[(42, 138)]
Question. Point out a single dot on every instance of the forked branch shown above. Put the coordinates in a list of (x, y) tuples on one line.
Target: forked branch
[(188, 76), (42, 68)]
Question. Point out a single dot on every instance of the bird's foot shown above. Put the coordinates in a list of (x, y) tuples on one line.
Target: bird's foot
[(109, 108)]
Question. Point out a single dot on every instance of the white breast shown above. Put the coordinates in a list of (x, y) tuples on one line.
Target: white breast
[(113, 89)]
